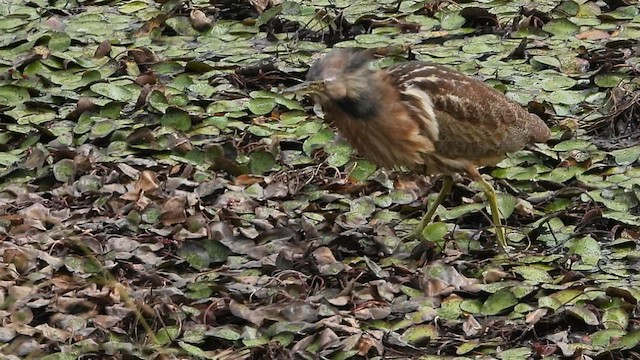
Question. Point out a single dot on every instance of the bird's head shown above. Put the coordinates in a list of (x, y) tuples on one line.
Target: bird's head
[(343, 79)]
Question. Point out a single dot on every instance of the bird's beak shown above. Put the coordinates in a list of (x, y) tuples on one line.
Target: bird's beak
[(305, 88)]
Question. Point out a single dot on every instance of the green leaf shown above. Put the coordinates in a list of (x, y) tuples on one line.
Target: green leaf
[(506, 205), (451, 21), (362, 170), (318, 140), (192, 349), (289, 104), (268, 15), (467, 346), (561, 27), (609, 80), (621, 13), (435, 231), (340, 154), (195, 254), (546, 60), (588, 248), (218, 253), (7, 159), (562, 174), (568, 7), (177, 119), (626, 156), (64, 170), (260, 162), (630, 340), (167, 335), (585, 314), (515, 354), (112, 91), (261, 106), (225, 332), (602, 338), (459, 211), (567, 97), (574, 144), (623, 217), (363, 206), (103, 128), (534, 274), (11, 95), (615, 318), (420, 334), (59, 41), (498, 302)]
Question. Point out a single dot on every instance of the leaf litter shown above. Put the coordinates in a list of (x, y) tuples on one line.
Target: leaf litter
[(161, 200)]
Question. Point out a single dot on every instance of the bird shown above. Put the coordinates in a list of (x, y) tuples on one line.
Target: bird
[(422, 117)]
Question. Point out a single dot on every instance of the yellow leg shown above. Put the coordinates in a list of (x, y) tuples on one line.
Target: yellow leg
[(447, 183), (493, 204)]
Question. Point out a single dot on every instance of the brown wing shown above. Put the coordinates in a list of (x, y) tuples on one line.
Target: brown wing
[(474, 121)]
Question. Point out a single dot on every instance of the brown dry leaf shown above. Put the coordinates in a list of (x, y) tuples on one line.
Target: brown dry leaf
[(152, 24), (441, 279), (142, 98), (338, 300), (366, 342), (148, 78), (82, 164), (327, 338), (106, 321), (20, 292), (262, 5), (493, 275), (324, 256), (299, 311), (54, 334), (64, 282), (22, 261), (22, 316), (524, 208), (535, 316), (471, 326), (243, 312), (83, 105), (199, 20), (55, 24), (593, 34), (147, 182), (247, 180), (103, 49), (144, 56), (545, 350), (372, 313), (36, 158), (327, 263), (173, 211)]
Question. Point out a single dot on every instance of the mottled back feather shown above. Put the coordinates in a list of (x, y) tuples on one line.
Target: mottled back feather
[(475, 121)]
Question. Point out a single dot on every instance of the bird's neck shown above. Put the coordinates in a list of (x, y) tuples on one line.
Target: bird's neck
[(362, 108), (363, 100)]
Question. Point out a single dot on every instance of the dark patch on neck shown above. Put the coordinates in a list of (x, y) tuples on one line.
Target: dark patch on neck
[(364, 108)]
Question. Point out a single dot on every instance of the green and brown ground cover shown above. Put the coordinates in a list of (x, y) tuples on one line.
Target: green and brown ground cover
[(159, 199)]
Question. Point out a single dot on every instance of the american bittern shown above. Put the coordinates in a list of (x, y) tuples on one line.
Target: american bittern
[(423, 117)]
